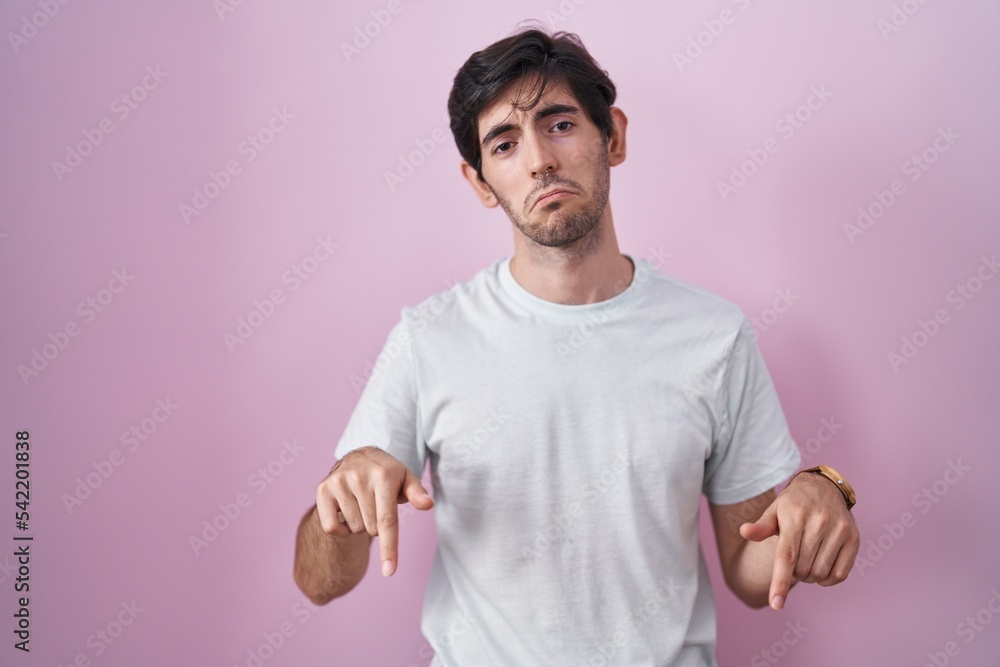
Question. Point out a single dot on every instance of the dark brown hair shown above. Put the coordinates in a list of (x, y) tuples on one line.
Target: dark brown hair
[(559, 58)]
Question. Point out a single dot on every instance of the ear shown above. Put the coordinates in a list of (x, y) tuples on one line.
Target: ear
[(616, 144), (479, 186)]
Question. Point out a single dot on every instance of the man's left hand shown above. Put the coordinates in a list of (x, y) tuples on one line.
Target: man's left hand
[(817, 537)]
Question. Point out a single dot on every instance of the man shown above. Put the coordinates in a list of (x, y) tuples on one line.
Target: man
[(574, 404)]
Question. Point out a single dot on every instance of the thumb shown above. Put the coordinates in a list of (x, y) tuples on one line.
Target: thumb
[(414, 493), (765, 526)]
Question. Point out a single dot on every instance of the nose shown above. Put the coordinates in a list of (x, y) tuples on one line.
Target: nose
[(540, 161), (539, 173)]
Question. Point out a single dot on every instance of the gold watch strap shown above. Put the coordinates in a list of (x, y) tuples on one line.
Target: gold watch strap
[(831, 474)]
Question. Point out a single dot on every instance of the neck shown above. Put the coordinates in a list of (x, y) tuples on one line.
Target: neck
[(589, 270)]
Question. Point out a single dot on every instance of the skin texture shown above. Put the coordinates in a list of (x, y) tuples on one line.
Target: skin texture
[(804, 534), (561, 253), (566, 251), (366, 487)]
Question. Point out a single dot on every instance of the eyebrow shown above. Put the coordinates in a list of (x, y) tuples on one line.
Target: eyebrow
[(550, 110)]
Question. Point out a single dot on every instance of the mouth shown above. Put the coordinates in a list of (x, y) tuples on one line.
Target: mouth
[(551, 196)]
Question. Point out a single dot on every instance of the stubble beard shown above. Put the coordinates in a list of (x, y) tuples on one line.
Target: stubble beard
[(573, 232)]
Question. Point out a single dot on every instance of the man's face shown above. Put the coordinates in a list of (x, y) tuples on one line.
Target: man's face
[(547, 167)]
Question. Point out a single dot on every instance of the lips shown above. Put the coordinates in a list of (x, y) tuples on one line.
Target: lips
[(551, 195)]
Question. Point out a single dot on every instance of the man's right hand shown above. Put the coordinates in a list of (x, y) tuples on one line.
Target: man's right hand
[(365, 487)]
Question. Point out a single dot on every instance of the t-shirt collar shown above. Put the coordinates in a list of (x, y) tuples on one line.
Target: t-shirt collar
[(572, 312)]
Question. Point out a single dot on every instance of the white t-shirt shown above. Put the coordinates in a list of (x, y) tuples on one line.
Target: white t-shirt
[(569, 446)]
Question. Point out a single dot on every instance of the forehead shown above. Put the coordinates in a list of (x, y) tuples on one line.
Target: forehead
[(508, 105)]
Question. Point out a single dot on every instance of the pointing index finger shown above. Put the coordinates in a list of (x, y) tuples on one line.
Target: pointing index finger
[(387, 519), (785, 556)]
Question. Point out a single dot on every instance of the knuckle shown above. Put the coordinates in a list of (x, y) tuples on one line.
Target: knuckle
[(328, 524), (854, 539), (323, 491), (787, 553), (844, 526), (832, 580), (795, 516), (324, 510), (378, 476), (388, 521), (339, 488)]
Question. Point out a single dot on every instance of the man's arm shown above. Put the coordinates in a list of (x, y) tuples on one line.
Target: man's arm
[(327, 567), (748, 575), (769, 543), (364, 487)]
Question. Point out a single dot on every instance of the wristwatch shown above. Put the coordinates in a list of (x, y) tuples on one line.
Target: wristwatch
[(838, 479)]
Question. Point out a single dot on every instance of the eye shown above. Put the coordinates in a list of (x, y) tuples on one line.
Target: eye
[(563, 126), (502, 147)]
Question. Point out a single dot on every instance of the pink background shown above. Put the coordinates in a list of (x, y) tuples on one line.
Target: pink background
[(323, 176)]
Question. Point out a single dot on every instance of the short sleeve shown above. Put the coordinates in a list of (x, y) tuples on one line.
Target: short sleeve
[(387, 411), (754, 450)]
